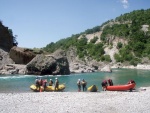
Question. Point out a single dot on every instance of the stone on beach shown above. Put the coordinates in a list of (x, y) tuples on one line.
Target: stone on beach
[(76, 102)]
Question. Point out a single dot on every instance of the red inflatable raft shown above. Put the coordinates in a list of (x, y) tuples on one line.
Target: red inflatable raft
[(121, 87)]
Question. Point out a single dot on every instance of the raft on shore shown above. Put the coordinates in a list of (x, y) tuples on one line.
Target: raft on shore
[(48, 88), (121, 87), (93, 88)]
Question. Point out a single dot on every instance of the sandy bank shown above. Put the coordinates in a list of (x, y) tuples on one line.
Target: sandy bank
[(76, 102)]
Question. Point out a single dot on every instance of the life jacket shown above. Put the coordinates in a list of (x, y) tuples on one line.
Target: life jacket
[(105, 81), (51, 83), (44, 82), (131, 82), (83, 83), (37, 82), (110, 82), (57, 82), (78, 83), (41, 82)]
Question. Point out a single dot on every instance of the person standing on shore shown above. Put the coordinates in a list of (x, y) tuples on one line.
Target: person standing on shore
[(104, 85), (41, 84), (84, 85), (110, 82), (79, 85), (44, 84), (37, 83), (41, 81), (131, 82), (56, 84), (50, 82)]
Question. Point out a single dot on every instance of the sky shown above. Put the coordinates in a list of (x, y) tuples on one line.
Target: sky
[(37, 23)]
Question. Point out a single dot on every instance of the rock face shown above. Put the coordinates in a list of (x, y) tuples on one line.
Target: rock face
[(81, 66), (140, 66), (13, 69), (6, 40), (55, 64), (4, 59), (8, 66), (106, 68), (21, 55)]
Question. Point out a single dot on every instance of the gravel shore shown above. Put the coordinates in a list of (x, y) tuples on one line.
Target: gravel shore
[(76, 102)]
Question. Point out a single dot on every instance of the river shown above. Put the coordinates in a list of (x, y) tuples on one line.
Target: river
[(21, 83)]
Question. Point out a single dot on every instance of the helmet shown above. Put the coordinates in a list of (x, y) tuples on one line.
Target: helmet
[(50, 79), (56, 78)]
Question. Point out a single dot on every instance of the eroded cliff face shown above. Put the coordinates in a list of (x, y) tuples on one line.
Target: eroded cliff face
[(21, 55), (53, 64), (6, 40), (4, 59)]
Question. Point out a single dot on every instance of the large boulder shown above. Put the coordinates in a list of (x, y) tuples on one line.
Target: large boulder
[(4, 59), (6, 39), (106, 68), (54, 64), (21, 55)]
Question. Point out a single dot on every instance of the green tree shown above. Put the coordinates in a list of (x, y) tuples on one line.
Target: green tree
[(119, 45), (94, 39), (15, 43), (118, 58), (106, 58)]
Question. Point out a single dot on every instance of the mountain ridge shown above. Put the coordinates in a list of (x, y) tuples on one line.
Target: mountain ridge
[(117, 43), (117, 35)]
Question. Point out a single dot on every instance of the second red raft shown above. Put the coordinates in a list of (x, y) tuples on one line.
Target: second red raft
[(121, 87)]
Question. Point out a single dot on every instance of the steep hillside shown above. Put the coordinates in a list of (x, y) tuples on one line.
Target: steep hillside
[(125, 39), (6, 39)]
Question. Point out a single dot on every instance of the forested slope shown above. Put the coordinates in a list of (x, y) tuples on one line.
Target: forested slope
[(132, 28)]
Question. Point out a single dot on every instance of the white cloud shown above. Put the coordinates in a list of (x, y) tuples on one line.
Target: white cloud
[(125, 3)]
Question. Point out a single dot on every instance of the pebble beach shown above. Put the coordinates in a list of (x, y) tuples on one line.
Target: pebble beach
[(76, 102)]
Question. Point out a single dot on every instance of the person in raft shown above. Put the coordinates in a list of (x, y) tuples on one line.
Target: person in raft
[(84, 85), (50, 82), (37, 83), (110, 82), (44, 84), (104, 85), (79, 85), (40, 81), (56, 84)]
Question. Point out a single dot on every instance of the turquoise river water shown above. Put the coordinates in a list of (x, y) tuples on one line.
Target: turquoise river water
[(21, 83)]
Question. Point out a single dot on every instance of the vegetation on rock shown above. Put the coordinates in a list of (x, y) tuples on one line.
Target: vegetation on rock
[(133, 27), (8, 40)]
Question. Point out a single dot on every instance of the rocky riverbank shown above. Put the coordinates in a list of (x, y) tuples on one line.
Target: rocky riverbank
[(25, 61), (76, 102)]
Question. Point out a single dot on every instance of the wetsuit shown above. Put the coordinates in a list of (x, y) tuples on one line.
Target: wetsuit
[(79, 85), (56, 84)]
